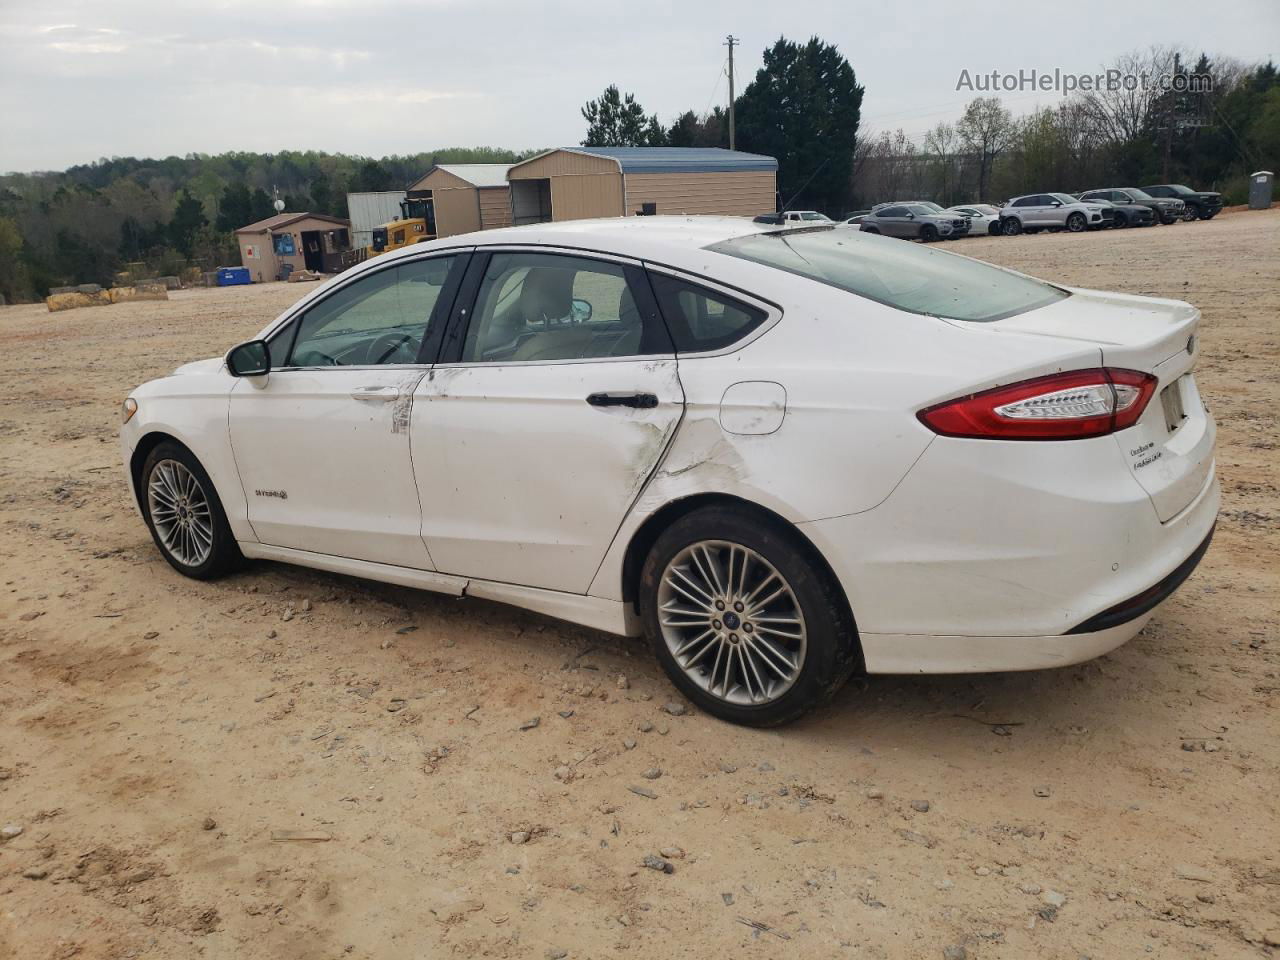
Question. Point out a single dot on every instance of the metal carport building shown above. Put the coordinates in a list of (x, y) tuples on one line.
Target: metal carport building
[(466, 196), (574, 183)]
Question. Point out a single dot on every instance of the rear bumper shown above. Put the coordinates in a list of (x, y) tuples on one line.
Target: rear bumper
[(987, 559)]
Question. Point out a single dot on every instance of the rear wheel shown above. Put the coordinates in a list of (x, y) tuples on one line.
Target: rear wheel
[(744, 619), (1012, 227), (1076, 223), (184, 514), (928, 233), (993, 228), (870, 230)]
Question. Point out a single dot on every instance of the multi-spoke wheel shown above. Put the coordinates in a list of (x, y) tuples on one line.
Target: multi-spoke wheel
[(180, 511), (731, 622), (744, 618), (185, 515)]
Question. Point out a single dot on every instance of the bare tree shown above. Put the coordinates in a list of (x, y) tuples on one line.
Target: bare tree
[(987, 129), (1122, 109), (941, 144)]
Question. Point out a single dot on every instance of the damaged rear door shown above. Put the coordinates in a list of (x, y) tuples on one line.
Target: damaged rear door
[(322, 441), (554, 400)]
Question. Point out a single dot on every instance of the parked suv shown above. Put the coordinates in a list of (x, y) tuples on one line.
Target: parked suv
[(1123, 214), (1204, 204), (914, 221), (1130, 198), (1050, 211)]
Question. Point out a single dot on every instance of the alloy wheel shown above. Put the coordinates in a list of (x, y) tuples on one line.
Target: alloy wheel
[(731, 622), (180, 512)]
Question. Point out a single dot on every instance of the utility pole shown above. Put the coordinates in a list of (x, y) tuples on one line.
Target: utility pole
[(731, 41)]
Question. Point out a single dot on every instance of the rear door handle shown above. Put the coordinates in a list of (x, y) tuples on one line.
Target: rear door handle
[(641, 401), (376, 394)]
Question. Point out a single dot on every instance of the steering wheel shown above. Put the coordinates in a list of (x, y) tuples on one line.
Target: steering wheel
[(389, 345)]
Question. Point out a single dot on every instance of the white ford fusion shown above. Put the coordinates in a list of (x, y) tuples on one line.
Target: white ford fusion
[(783, 454)]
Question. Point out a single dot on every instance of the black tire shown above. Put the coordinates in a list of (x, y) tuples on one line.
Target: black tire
[(1076, 223), (223, 554), (1011, 227), (994, 229), (831, 652), (1119, 222), (1190, 212), (928, 233), (1207, 216), (870, 230)]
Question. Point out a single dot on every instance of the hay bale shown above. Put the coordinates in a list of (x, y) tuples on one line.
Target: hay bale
[(70, 301), (140, 291)]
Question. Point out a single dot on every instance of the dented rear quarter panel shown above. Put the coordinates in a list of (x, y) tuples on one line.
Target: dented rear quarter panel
[(854, 372)]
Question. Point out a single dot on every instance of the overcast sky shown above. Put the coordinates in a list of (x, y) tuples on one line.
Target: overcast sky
[(83, 79)]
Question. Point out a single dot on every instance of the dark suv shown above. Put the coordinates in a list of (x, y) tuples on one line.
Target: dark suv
[(1199, 203), (1130, 200)]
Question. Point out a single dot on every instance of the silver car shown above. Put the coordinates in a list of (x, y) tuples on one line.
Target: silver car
[(1049, 211), (915, 221)]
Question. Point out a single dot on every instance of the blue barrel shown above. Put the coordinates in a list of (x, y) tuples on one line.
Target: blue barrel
[(233, 276)]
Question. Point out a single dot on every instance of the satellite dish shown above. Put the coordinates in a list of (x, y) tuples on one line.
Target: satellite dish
[(279, 205)]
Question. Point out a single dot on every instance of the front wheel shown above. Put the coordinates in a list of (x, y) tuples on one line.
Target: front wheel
[(184, 514), (1076, 223), (1207, 216), (745, 621), (1189, 214), (1012, 227), (928, 233)]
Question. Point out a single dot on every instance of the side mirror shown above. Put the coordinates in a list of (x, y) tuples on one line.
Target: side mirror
[(911, 216), (581, 312), (1056, 203), (249, 359)]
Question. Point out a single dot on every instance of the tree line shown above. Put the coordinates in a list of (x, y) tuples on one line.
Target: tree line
[(804, 104), (92, 221), (803, 107)]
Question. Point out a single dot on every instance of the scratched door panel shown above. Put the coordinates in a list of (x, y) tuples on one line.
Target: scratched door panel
[(324, 459)]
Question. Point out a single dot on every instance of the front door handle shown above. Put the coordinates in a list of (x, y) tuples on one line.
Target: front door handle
[(641, 401), (376, 394)]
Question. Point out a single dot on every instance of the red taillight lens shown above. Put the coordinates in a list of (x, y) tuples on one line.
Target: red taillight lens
[(1063, 406)]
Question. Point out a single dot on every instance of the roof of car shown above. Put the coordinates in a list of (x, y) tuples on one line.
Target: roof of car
[(626, 236)]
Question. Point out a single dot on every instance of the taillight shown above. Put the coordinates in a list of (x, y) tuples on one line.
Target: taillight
[(1063, 406)]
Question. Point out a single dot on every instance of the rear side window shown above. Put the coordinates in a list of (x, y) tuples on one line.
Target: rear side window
[(700, 319), (917, 279)]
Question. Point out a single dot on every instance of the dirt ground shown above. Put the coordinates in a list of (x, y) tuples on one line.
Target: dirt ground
[(289, 764)]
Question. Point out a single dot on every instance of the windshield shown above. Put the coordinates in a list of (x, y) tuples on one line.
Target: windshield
[(920, 210), (1064, 198), (1179, 188), (813, 215), (985, 209), (914, 278), (1138, 194)]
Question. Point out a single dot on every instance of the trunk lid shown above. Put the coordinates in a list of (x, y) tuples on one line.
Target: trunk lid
[(1170, 449)]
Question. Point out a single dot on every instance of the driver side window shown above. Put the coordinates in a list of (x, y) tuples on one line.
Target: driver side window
[(380, 319)]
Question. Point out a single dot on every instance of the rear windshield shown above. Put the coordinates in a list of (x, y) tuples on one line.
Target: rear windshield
[(908, 276)]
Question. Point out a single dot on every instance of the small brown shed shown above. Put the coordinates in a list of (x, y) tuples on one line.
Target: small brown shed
[(466, 196), (573, 183), (304, 241)]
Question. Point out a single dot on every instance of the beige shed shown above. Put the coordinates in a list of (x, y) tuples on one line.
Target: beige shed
[(466, 196), (302, 241), (574, 183)]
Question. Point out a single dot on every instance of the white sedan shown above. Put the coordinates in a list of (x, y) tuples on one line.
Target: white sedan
[(984, 219), (783, 455)]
